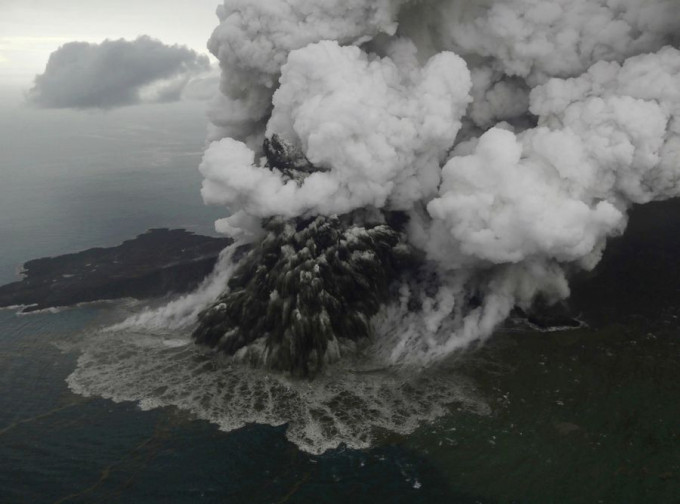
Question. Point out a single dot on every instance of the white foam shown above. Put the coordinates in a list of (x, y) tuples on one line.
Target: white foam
[(349, 404), (150, 358), (176, 342)]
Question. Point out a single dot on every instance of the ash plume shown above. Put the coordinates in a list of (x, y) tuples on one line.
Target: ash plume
[(512, 135), (116, 73)]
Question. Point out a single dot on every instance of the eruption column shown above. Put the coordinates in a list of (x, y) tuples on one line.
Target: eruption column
[(511, 136)]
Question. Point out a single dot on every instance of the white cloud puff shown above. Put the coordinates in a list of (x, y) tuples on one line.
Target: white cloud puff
[(115, 73), (379, 130)]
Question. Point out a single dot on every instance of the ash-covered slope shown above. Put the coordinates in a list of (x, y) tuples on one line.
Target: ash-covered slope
[(155, 263), (309, 284)]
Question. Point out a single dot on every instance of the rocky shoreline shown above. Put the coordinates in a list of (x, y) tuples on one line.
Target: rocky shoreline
[(154, 264)]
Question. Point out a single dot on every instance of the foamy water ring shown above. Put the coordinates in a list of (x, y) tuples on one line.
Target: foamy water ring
[(348, 404)]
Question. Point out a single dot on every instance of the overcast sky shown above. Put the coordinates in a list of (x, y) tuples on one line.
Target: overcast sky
[(31, 29)]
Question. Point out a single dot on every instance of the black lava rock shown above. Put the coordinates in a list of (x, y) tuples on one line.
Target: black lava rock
[(306, 286)]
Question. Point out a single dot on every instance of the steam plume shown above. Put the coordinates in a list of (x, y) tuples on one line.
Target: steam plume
[(514, 133)]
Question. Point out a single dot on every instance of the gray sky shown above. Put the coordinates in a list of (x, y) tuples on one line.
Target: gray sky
[(31, 29)]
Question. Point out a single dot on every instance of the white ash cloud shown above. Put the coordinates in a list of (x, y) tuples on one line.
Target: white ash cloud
[(539, 39), (495, 97), (255, 37), (516, 133), (116, 73), (380, 130), (499, 207)]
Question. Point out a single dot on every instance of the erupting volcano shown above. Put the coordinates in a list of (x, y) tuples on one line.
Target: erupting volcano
[(509, 137)]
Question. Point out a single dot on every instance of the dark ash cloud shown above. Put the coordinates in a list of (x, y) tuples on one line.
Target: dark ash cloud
[(115, 73)]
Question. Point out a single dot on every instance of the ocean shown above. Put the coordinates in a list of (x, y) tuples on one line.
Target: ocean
[(94, 415)]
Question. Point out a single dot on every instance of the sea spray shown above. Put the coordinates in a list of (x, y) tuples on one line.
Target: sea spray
[(353, 402), (182, 312)]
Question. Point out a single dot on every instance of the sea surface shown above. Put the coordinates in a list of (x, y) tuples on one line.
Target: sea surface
[(93, 415)]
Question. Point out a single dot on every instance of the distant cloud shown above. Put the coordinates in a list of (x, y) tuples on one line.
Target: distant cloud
[(116, 73), (202, 88)]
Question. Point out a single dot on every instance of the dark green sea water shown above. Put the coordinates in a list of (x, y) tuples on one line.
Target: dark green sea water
[(583, 416), (59, 447)]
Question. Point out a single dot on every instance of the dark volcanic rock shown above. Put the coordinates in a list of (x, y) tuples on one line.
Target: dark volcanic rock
[(545, 318), (309, 284), (287, 159), (155, 263)]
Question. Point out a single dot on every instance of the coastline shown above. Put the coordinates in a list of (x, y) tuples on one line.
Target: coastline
[(155, 263)]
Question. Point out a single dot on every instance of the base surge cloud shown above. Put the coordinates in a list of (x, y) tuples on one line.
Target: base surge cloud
[(514, 134)]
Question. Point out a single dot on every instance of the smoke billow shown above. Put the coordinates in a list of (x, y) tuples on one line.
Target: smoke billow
[(117, 73), (514, 134)]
